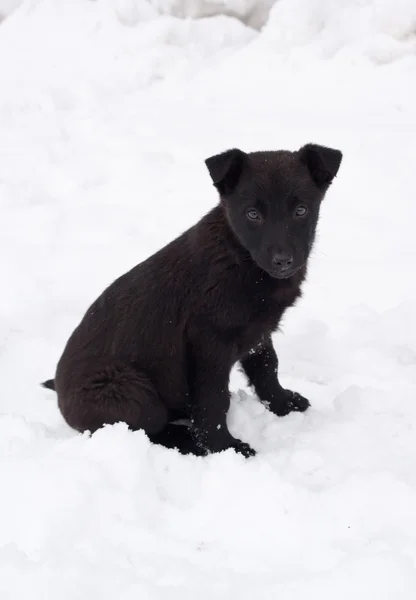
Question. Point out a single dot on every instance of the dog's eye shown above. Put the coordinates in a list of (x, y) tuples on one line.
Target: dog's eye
[(253, 214), (300, 211)]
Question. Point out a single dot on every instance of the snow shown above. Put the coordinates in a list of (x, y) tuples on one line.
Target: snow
[(377, 29), (107, 111), (253, 13)]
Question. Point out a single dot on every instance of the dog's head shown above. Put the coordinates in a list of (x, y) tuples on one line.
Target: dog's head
[(272, 201)]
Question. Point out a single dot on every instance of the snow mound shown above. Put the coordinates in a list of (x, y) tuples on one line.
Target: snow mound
[(378, 30), (253, 13), (91, 43)]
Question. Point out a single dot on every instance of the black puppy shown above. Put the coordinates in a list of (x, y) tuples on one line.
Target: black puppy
[(160, 342)]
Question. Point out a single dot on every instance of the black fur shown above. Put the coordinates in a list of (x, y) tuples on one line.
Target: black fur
[(50, 384), (159, 343)]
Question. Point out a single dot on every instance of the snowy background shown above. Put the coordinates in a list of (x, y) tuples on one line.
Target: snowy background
[(107, 111)]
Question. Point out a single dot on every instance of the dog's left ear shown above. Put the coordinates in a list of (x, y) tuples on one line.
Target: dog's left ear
[(225, 169), (323, 163)]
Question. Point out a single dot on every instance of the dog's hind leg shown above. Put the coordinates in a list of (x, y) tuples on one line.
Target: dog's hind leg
[(95, 394), (178, 437)]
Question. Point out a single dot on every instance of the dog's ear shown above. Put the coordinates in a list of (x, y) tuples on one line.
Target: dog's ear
[(323, 163), (225, 169)]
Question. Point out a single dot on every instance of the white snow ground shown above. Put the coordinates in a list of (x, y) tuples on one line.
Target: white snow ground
[(106, 114)]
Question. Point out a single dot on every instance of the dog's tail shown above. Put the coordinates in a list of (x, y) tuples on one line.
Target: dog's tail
[(50, 384)]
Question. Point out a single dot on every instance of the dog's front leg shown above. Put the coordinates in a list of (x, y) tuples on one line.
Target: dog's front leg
[(260, 367), (211, 401)]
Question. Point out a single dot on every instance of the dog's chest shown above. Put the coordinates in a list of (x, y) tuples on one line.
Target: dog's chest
[(262, 318)]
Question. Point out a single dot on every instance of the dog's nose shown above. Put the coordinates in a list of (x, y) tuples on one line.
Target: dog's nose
[(282, 260)]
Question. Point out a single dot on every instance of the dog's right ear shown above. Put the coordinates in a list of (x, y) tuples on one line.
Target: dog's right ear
[(225, 169)]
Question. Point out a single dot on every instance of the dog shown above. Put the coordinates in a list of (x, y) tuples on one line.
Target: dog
[(158, 345)]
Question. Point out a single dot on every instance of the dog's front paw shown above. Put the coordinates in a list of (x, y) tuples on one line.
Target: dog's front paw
[(290, 402), (220, 443), (297, 402), (244, 449)]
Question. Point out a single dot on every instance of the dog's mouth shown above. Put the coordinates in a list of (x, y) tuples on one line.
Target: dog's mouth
[(282, 274)]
